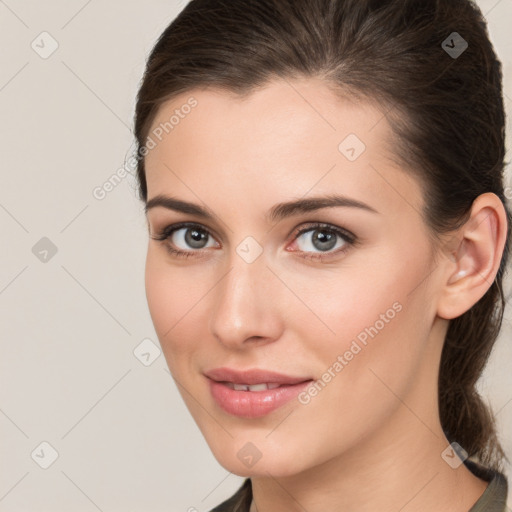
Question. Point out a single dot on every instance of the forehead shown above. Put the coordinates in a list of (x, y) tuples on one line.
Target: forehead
[(284, 140)]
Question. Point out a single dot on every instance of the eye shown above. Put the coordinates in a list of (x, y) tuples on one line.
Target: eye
[(187, 239), (325, 239), (184, 236)]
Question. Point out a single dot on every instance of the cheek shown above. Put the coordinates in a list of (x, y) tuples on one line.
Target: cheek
[(173, 296), (382, 321), (344, 304), (377, 348), (375, 314)]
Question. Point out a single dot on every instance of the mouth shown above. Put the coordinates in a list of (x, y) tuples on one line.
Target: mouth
[(253, 393)]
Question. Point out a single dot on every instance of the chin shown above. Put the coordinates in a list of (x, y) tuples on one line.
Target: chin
[(248, 461)]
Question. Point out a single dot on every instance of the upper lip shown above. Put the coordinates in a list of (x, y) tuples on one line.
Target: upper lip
[(252, 376)]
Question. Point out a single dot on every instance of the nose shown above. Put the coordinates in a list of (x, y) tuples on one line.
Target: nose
[(246, 308)]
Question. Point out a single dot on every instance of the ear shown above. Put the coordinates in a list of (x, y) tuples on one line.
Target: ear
[(474, 256)]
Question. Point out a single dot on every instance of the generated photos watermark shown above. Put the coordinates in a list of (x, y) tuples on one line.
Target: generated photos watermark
[(157, 134), (355, 348)]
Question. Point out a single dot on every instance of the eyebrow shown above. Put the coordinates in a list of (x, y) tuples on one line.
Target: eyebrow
[(277, 212)]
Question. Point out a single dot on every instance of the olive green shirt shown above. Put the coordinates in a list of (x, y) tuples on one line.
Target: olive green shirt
[(493, 499)]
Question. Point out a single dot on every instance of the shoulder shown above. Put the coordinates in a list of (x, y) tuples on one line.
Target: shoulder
[(494, 497)]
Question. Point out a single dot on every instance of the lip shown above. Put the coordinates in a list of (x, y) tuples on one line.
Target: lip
[(253, 404), (252, 376)]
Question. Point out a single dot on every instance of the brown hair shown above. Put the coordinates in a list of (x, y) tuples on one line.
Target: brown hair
[(446, 112)]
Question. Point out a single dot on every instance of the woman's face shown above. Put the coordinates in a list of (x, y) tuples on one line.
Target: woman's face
[(348, 303)]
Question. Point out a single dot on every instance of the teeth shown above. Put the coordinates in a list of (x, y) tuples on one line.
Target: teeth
[(252, 387)]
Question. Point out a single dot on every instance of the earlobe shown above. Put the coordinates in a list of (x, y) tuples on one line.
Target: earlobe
[(472, 267)]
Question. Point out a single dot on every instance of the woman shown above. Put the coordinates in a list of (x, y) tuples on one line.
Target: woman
[(323, 185)]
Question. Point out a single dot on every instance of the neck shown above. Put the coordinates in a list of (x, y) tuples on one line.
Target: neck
[(408, 474)]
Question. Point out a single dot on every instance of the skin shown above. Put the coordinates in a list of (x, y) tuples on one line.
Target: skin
[(371, 439)]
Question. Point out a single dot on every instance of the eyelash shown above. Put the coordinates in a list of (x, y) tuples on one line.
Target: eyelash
[(349, 239)]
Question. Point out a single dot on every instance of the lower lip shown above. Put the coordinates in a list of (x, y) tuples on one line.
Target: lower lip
[(254, 404)]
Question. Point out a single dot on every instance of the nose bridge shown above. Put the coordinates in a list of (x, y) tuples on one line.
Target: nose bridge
[(244, 305)]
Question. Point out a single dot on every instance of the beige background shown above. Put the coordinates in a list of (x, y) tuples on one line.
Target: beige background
[(69, 325)]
